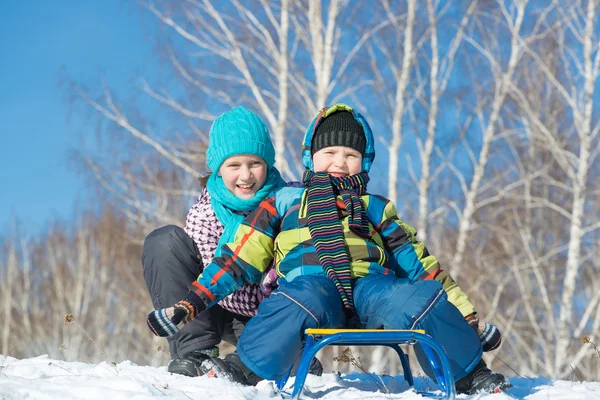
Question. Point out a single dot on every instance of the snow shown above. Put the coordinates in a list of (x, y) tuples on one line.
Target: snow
[(43, 378)]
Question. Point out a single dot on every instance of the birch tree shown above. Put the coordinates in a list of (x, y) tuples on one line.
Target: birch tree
[(283, 60), (254, 48), (548, 299), (488, 120), (8, 268), (586, 133), (395, 98), (439, 75), (574, 81), (90, 272)]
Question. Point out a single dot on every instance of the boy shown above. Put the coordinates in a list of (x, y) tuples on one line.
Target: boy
[(340, 253)]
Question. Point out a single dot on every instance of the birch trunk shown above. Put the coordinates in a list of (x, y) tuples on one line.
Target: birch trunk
[(399, 98), (323, 38), (279, 133), (437, 88), (584, 130), (434, 98), (8, 283), (466, 219)]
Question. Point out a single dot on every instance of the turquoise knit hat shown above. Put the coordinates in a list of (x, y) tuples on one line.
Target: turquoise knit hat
[(238, 131)]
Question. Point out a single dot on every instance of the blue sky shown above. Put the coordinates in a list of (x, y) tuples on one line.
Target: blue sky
[(90, 40)]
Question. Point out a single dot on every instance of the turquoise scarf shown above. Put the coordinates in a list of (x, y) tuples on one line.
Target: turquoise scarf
[(230, 209)]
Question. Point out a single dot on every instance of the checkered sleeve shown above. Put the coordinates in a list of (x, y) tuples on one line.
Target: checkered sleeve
[(411, 255)]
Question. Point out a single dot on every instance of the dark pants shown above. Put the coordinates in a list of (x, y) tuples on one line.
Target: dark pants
[(171, 263)]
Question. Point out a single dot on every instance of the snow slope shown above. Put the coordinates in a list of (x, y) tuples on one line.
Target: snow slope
[(43, 378)]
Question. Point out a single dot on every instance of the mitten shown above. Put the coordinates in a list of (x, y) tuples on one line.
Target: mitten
[(168, 321), (268, 282), (489, 335)]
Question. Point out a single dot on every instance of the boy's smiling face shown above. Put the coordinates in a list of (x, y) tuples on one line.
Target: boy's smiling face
[(338, 161)]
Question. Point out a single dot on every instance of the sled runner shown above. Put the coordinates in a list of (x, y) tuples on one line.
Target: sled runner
[(319, 338)]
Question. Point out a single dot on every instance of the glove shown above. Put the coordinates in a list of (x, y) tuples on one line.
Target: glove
[(168, 321), (268, 282), (489, 335)]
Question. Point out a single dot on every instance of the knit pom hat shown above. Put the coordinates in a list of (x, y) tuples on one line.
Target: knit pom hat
[(322, 115), (238, 131), (339, 129)]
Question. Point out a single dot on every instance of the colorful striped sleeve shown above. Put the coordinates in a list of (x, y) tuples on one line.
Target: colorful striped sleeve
[(411, 255), (244, 260)]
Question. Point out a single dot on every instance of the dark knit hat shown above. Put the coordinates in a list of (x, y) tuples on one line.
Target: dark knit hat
[(339, 129)]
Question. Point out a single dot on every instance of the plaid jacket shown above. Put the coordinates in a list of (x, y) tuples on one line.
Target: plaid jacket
[(278, 231)]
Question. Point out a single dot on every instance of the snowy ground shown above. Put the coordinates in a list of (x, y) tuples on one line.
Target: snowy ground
[(43, 378)]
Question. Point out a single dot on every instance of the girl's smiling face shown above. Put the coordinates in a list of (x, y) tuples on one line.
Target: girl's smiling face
[(244, 175)]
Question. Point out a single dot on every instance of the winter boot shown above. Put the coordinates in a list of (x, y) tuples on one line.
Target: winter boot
[(315, 367), (232, 368), (189, 365), (482, 379)]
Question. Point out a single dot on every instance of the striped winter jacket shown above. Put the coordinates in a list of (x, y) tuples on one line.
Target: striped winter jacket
[(278, 231)]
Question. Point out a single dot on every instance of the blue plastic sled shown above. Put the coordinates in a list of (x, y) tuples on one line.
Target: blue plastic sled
[(319, 338)]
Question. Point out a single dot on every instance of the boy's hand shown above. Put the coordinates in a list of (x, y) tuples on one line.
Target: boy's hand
[(168, 321), (489, 334)]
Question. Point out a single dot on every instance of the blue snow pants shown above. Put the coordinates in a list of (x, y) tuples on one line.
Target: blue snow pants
[(274, 338)]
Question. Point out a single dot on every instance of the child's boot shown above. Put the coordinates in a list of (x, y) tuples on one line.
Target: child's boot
[(190, 364), (482, 379), (231, 367)]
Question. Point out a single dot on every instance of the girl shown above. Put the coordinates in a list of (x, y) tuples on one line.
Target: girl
[(241, 155)]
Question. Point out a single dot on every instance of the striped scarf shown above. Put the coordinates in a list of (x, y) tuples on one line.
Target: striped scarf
[(325, 227)]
